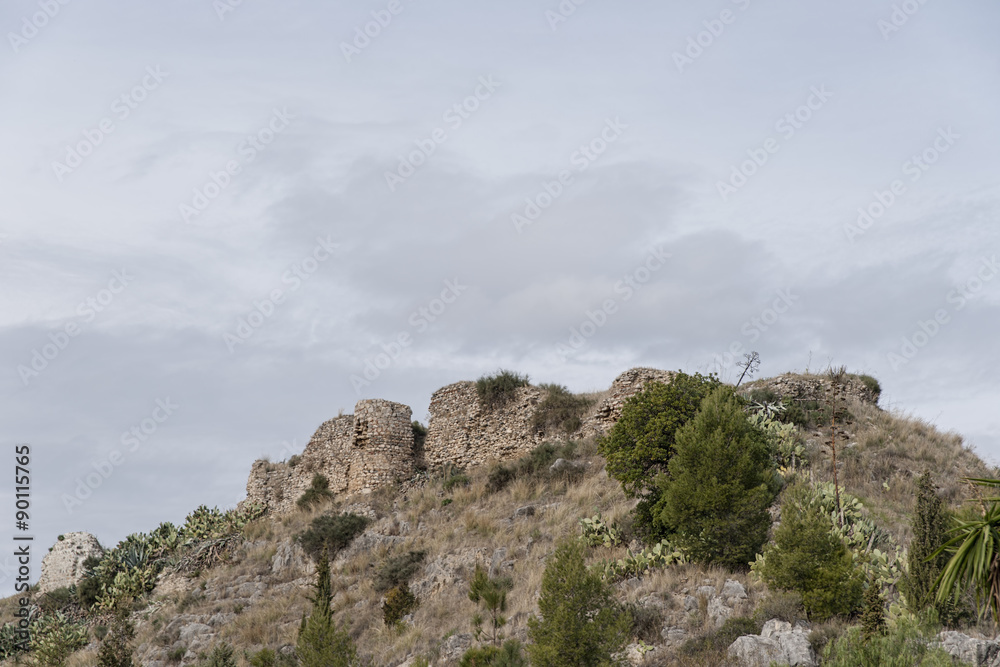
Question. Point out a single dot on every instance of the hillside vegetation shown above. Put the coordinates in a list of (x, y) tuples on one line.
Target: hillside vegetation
[(409, 553)]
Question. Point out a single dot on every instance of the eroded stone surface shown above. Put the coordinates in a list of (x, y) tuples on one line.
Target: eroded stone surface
[(63, 566)]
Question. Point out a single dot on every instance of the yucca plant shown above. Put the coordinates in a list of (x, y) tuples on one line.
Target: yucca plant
[(975, 554)]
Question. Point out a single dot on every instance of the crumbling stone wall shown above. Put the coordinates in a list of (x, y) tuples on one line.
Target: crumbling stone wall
[(626, 385), (63, 566), (796, 387), (463, 432), (356, 453)]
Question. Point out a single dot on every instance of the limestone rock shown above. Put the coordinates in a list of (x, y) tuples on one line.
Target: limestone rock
[(756, 651), (779, 642), (63, 566), (290, 561), (979, 652)]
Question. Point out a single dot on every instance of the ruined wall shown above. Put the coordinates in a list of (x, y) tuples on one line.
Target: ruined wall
[(63, 565), (626, 385), (356, 453), (462, 432), (796, 387)]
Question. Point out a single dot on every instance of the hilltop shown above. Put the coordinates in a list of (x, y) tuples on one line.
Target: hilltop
[(500, 488)]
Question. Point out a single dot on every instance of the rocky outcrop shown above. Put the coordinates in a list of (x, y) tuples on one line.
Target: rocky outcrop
[(779, 643), (968, 650), (63, 565)]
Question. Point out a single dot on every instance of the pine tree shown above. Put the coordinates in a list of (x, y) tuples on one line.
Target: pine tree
[(930, 527), (491, 593), (321, 643), (721, 484), (808, 558), (582, 625)]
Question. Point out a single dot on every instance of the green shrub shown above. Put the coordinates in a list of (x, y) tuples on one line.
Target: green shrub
[(496, 390), (720, 485), (510, 655), (560, 411), (647, 622), (534, 464), (318, 491), (873, 613), (56, 600), (454, 481), (722, 638), (903, 646), (12, 644), (930, 531), (399, 602), (54, 638), (331, 533), (806, 557), (293, 461), (115, 650), (782, 605), (490, 593), (581, 624), (176, 654), (221, 656), (398, 570), (871, 384), (87, 591), (264, 658), (640, 445), (419, 436)]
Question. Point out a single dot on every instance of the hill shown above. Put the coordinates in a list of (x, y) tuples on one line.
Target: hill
[(251, 587)]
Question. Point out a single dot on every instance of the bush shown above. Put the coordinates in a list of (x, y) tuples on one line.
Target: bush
[(720, 485), (317, 492), (454, 481), (490, 593), (806, 557), (722, 638), (54, 638), (56, 600), (560, 411), (930, 532), (115, 650), (399, 602), (264, 658), (511, 655), (419, 436), (647, 623), (331, 533), (87, 591), (581, 624), (221, 656), (496, 390), (782, 605), (871, 384), (640, 445), (533, 464), (398, 570), (904, 646)]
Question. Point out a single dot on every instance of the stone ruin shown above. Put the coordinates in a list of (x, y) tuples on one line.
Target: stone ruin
[(63, 565), (356, 453), (375, 446)]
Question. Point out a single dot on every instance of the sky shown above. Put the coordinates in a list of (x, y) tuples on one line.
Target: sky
[(225, 221)]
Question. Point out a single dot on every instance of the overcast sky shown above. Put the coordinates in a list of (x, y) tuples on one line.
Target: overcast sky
[(217, 215)]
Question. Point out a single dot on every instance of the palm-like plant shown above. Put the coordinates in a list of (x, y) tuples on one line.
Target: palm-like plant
[(975, 560)]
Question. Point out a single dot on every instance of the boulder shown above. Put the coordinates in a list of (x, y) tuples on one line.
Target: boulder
[(756, 651), (979, 652), (63, 566), (779, 642)]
